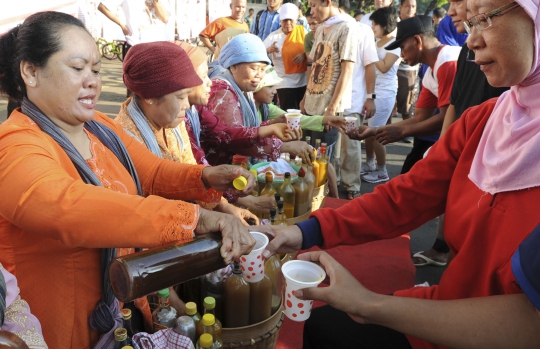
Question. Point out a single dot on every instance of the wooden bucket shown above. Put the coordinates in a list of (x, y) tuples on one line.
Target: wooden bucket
[(319, 195), (258, 336)]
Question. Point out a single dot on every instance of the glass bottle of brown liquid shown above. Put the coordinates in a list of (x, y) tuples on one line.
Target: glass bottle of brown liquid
[(260, 300), (272, 268), (236, 299), (136, 275), (268, 189), (301, 192), (120, 338), (126, 316), (311, 181), (273, 216), (281, 218), (287, 195), (208, 322)]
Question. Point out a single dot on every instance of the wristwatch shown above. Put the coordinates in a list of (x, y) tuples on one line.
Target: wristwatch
[(370, 96)]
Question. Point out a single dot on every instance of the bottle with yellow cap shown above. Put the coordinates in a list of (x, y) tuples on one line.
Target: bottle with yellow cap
[(126, 317), (127, 347), (208, 321), (120, 338), (210, 308), (268, 189), (315, 165), (191, 310), (206, 341)]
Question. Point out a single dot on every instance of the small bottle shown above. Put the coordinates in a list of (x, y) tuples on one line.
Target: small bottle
[(260, 300), (315, 165), (120, 338), (277, 197), (205, 341), (251, 221), (268, 188), (210, 308), (308, 140), (323, 167), (272, 268), (281, 217), (165, 315), (126, 316), (191, 310), (185, 325), (317, 144), (273, 218), (288, 195), (311, 181), (236, 299), (208, 322), (301, 191)]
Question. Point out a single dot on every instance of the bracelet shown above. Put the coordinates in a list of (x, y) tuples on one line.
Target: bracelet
[(309, 64)]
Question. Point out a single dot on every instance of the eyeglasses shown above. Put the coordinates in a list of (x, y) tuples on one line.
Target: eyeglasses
[(483, 20)]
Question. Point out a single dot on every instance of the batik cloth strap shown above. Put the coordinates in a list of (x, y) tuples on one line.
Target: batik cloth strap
[(104, 317), (144, 128), (193, 116)]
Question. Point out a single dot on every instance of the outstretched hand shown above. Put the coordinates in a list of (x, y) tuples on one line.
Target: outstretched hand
[(345, 293), (283, 239), (335, 121), (221, 178), (361, 132)]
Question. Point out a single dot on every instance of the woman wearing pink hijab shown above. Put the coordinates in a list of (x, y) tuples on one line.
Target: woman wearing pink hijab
[(484, 173)]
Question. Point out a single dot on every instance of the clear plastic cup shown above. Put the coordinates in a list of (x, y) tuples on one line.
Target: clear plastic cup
[(298, 275), (252, 264), (351, 122), (293, 120)]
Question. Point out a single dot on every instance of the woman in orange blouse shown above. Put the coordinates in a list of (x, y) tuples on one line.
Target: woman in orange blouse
[(65, 169)]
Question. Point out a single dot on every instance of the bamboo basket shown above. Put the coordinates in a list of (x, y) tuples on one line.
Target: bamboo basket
[(258, 336), (319, 195)]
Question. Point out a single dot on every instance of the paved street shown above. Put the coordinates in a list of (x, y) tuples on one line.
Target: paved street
[(114, 92)]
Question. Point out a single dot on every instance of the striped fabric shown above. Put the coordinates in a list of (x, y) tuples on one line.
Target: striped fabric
[(266, 24), (2, 299)]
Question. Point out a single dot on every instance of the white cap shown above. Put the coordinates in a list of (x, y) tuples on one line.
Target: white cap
[(288, 11)]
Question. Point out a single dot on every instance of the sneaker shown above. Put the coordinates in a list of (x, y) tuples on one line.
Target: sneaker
[(376, 176), (367, 168)]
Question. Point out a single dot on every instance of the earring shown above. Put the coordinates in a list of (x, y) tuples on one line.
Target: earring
[(30, 82), (150, 101)]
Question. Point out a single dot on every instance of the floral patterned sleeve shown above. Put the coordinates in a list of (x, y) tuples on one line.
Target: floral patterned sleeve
[(224, 104), (19, 320)]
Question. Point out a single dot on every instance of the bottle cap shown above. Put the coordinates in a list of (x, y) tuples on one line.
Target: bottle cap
[(277, 197), (163, 293), (269, 176), (280, 204), (208, 319), (301, 172), (272, 212), (287, 175), (240, 182), (126, 313), (206, 340), (127, 347), (251, 221), (191, 308), (236, 268), (120, 334), (254, 171), (209, 302)]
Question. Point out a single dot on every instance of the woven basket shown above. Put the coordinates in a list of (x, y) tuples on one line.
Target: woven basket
[(258, 336), (319, 194)]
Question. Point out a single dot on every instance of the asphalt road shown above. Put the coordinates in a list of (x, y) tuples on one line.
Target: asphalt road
[(113, 94)]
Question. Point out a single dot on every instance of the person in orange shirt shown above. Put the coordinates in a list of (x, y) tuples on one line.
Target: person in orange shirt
[(75, 186), (235, 20)]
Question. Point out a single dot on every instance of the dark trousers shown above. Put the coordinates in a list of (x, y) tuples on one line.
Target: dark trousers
[(420, 146), (331, 328), (289, 98)]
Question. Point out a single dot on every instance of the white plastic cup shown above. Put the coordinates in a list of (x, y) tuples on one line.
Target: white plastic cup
[(299, 275), (351, 122), (252, 264), (293, 120)]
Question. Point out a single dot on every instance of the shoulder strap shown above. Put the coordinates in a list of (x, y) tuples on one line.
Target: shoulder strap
[(259, 14)]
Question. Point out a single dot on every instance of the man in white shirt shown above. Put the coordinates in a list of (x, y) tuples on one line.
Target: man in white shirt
[(378, 4)]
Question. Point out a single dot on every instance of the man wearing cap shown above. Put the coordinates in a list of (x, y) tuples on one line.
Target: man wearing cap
[(416, 38), (285, 48), (267, 21), (235, 20)]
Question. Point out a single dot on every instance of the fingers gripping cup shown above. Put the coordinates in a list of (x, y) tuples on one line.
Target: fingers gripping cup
[(293, 120), (298, 275), (351, 123), (253, 264)]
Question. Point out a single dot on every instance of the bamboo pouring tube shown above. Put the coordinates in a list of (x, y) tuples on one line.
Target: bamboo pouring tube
[(136, 275)]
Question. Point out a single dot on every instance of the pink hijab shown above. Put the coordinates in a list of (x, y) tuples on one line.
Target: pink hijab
[(508, 155)]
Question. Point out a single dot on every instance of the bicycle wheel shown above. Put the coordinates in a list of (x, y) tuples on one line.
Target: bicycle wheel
[(120, 52), (108, 52)]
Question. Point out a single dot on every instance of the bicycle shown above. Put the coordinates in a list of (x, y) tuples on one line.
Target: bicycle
[(111, 50)]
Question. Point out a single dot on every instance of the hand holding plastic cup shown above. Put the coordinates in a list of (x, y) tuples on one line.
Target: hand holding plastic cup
[(252, 264), (351, 123), (299, 275), (293, 120)]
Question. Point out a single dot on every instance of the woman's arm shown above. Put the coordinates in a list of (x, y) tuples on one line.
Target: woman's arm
[(387, 63)]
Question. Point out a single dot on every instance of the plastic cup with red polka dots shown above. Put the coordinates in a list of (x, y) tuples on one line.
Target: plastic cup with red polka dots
[(293, 120), (351, 122), (252, 264), (298, 275)]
